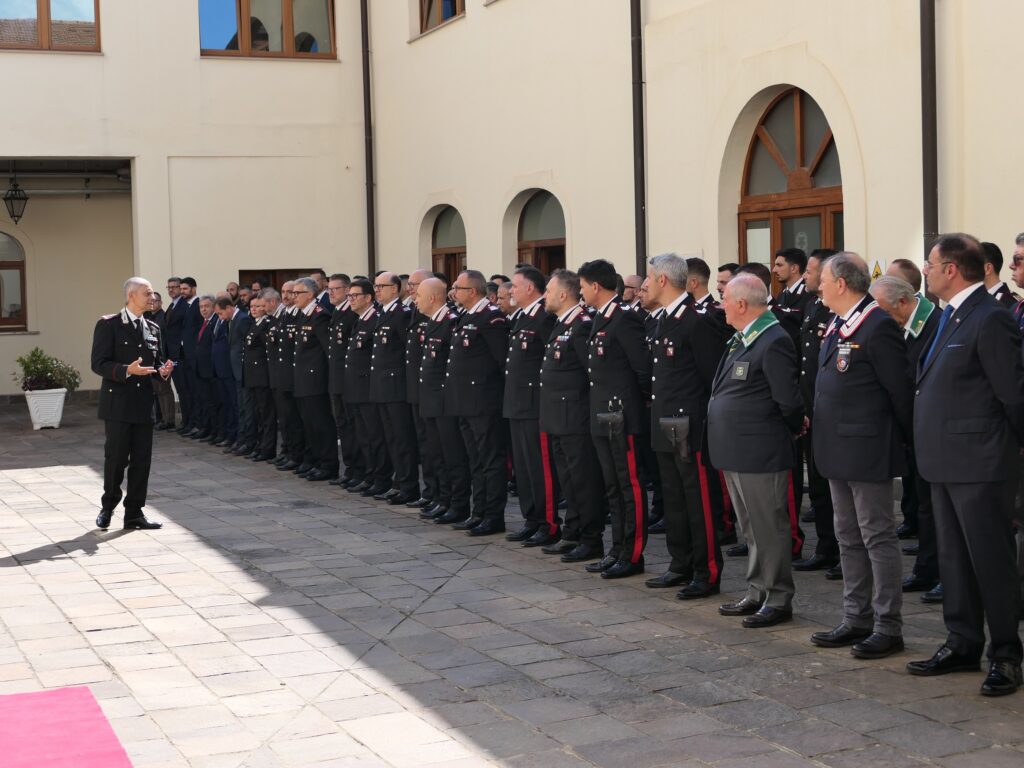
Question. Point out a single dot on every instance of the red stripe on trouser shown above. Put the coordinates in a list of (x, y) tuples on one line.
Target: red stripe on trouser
[(727, 524), (794, 523), (549, 483), (709, 526), (638, 507)]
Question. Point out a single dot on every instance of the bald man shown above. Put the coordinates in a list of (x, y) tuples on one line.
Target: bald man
[(429, 461)]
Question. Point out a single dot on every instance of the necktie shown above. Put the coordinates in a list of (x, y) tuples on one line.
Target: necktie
[(735, 342), (946, 314), (205, 322)]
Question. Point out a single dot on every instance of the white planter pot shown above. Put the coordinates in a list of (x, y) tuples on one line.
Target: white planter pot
[(46, 406)]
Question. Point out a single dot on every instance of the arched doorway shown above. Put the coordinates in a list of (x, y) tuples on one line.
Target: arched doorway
[(542, 233), (448, 243), (792, 193), (13, 316)]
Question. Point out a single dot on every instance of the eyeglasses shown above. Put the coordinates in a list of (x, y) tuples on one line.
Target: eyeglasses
[(298, 292), (462, 288), (1016, 261), (928, 266), (382, 286), (357, 295)]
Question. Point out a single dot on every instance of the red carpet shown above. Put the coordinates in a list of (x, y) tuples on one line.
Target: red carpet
[(62, 728)]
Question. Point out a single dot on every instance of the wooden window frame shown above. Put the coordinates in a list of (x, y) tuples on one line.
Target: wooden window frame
[(7, 325), (529, 251), (441, 260), (43, 28), (243, 13), (425, 26)]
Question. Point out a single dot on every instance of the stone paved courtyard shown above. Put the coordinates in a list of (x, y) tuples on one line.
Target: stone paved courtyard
[(275, 622)]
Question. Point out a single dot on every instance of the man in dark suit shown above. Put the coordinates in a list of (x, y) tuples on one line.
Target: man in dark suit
[(296, 452), (240, 322), (322, 297), (227, 431), (172, 325), (256, 380), (968, 424), (165, 407), (789, 267), (862, 425), (343, 320), (312, 342), (431, 462), (999, 290), (126, 351), (619, 366), (189, 339), (208, 413), (473, 393), (918, 318), (754, 414), (684, 362)]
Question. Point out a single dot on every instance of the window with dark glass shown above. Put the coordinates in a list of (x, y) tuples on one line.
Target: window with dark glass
[(542, 233), (448, 252), (50, 25), (12, 285), (273, 28), (436, 12)]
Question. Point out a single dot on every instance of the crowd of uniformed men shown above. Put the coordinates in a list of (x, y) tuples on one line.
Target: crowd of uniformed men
[(581, 391)]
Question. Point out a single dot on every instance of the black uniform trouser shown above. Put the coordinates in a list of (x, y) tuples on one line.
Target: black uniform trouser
[(430, 461), (248, 423), (536, 478), (400, 439), (977, 567), (649, 475), (291, 428), (318, 427), (627, 500), (454, 479), (926, 565), (210, 405), (281, 407), (127, 446), (265, 419), (227, 425), (579, 473), (371, 437), (821, 499), (345, 426), (182, 385), (689, 527), (486, 448)]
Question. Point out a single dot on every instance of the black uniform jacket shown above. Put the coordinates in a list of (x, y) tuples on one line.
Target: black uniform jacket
[(387, 366), (476, 362), (255, 364), (287, 334), (116, 343), (685, 357), (863, 399), (526, 347), (564, 382), (357, 359), (311, 343), (619, 365), (173, 325), (343, 322), (190, 327), (969, 405), (755, 407), (1006, 297), (817, 319), (414, 341), (280, 370), (437, 339)]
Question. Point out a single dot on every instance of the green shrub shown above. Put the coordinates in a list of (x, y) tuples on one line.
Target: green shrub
[(41, 371)]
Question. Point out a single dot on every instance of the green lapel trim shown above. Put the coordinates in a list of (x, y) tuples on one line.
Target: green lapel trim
[(764, 322), (921, 314)]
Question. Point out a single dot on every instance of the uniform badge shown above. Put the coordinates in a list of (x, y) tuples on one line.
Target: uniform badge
[(740, 371), (465, 341), (558, 354), (600, 351), (670, 351), (843, 361)]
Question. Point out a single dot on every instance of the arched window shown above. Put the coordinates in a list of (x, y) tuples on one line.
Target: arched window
[(448, 243), (542, 233), (792, 193), (12, 285)]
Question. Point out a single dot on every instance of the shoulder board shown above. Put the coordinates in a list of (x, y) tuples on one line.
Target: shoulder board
[(406, 308), (611, 309), (317, 309), (850, 327), (701, 310), (497, 321), (109, 317), (150, 322), (533, 312), (453, 315), (585, 318)]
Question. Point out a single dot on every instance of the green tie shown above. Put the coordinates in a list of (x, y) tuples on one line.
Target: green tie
[(735, 342)]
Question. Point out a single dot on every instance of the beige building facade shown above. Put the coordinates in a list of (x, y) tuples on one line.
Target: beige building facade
[(503, 132)]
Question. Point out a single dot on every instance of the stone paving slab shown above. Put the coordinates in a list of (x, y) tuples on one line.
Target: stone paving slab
[(275, 623)]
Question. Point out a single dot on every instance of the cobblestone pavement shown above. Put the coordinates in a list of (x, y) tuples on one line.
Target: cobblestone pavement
[(275, 622)]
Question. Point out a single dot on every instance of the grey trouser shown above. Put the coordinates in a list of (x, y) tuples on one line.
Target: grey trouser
[(870, 554), (762, 511)]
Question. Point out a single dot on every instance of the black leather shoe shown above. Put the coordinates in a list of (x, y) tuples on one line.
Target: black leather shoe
[(522, 534), (740, 550), (695, 590), (944, 661), (242, 450), (338, 481), (623, 568), (582, 553), (1004, 678), (140, 523), (914, 583), (433, 512), (470, 522), (183, 429), (387, 494), (933, 596), (877, 646), (912, 549), (835, 573), (487, 528), (667, 580), (374, 492), (543, 537), (452, 517), (840, 636), (289, 466), (199, 434), (360, 487), (216, 442), (399, 499), (904, 531), (349, 483), (604, 563), (303, 469), (767, 617), (230, 446), (744, 607), (727, 538), (657, 527), (561, 547), (420, 503), (815, 562), (103, 519), (319, 475)]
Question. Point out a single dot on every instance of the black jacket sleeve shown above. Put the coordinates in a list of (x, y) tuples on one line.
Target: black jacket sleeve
[(783, 375)]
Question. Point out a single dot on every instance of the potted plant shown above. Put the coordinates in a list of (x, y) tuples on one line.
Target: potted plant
[(46, 381)]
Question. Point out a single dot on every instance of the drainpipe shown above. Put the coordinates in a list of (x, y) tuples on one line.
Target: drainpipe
[(371, 208), (639, 149), (929, 126)]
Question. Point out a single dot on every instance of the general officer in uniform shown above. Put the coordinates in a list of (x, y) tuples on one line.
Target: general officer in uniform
[(431, 462), (343, 320), (311, 345), (297, 452), (126, 351), (473, 393), (863, 403), (618, 364), (536, 479), (256, 379), (685, 357)]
